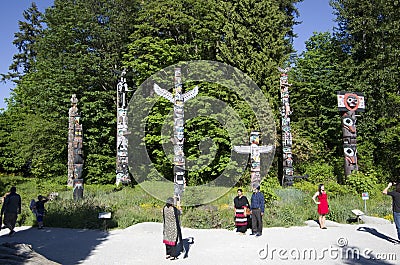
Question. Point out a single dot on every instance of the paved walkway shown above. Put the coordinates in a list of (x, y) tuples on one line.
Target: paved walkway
[(142, 244)]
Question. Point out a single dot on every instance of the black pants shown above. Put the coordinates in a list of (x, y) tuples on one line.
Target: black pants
[(256, 219), (171, 250)]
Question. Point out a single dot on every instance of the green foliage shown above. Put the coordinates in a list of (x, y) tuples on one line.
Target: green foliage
[(292, 208), (363, 182), (319, 172), (25, 40), (77, 52), (267, 187), (367, 33), (317, 76), (132, 205)]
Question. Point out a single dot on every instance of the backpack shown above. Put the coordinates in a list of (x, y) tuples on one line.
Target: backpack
[(32, 205)]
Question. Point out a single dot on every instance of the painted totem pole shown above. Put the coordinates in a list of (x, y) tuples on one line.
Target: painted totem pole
[(255, 150), (178, 99), (122, 132), (348, 104), (75, 152), (287, 179)]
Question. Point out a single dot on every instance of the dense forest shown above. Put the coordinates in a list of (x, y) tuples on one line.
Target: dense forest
[(80, 47)]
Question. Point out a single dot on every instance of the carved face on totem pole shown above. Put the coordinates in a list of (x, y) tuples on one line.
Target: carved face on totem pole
[(349, 127), (350, 156)]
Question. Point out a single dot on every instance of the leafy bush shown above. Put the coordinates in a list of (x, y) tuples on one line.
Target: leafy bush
[(202, 217), (363, 182), (268, 187), (319, 172)]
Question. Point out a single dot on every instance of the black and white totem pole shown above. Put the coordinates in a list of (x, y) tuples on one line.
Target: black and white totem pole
[(287, 179), (178, 99), (122, 170), (255, 151), (75, 152), (348, 104)]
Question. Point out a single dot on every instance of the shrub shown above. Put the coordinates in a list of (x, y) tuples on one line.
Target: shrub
[(319, 172), (363, 182), (268, 187)]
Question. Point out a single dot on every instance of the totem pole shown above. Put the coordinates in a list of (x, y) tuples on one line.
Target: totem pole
[(255, 160), (122, 132), (348, 104), (178, 99), (288, 176), (75, 153), (287, 179)]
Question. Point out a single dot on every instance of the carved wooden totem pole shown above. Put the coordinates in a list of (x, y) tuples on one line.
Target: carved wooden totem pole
[(178, 99), (122, 132), (75, 152), (255, 151), (348, 104), (287, 179)]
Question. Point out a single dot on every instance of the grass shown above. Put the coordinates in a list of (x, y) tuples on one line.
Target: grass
[(132, 205)]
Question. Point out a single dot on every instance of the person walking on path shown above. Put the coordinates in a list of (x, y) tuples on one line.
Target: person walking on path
[(257, 211), (40, 210), (395, 205), (323, 208), (241, 205), (10, 209), (171, 229)]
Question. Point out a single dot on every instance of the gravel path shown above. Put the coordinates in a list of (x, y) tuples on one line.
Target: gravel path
[(142, 244)]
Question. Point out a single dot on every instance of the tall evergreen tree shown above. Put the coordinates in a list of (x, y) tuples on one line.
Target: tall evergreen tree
[(79, 52), (30, 31), (369, 32), (317, 76)]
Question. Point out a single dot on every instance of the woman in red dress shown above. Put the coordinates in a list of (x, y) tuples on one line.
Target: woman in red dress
[(322, 202)]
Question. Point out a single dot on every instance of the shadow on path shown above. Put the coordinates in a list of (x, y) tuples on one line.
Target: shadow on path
[(65, 246), (354, 256), (185, 246), (375, 232)]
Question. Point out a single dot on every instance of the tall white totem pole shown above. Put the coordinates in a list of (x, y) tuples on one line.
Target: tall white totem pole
[(178, 99), (255, 151), (122, 132)]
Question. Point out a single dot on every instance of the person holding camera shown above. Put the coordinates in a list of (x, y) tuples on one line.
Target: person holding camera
[(395, 194)]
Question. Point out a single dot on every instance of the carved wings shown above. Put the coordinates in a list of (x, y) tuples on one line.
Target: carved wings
[(190, 94), (247, 149), (163, 93), (168, 95)]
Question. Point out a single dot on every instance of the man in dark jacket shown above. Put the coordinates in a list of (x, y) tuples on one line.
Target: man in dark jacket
[(395, 205), (257, 211), (10, 209)]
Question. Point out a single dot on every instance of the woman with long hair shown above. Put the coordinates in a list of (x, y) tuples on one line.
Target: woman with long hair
[(241, 204), (323, 208)]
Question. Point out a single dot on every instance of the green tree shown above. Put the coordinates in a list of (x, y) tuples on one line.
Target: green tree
[(369, 33), (317, 76), (30, 31), (249, 35), (79, 52)]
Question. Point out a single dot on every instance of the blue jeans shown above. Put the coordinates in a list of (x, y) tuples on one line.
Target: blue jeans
[(396, 217)]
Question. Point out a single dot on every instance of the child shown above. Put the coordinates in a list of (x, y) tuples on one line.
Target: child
[(39, 207)]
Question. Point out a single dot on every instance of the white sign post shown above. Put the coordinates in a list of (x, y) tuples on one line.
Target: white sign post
[(365, 197)]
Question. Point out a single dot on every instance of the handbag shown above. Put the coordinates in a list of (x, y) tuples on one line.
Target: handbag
[(247, 211)]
